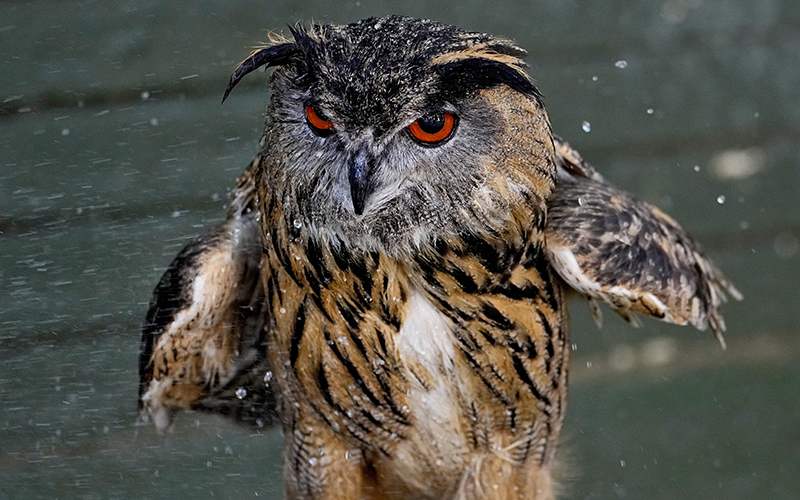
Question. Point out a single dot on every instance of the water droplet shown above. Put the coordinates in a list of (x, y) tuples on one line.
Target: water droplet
[(297, 223), (241, 392), (621, 64), (267, 377), (697, 168), (154, 121), (622, 463), (721, 199), (595, 78), (283, 310), (145, 95), (649, 111), (586, 126), (312, 461), (581, 201), (786, 245), (64, 132)]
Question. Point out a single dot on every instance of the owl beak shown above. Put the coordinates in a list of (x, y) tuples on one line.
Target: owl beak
[(360, 176)]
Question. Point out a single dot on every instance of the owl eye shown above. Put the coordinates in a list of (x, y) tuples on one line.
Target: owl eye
[(318, 122), (433, 130)]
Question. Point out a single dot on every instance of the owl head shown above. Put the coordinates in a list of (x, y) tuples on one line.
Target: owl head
[(390, 134)]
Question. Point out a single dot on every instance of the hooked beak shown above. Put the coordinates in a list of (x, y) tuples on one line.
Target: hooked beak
[(360, 177)]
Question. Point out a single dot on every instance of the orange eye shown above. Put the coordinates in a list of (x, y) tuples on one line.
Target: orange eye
[(319, 124), (433, 129)]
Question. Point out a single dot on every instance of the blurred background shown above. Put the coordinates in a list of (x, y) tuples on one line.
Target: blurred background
[(114, 150)]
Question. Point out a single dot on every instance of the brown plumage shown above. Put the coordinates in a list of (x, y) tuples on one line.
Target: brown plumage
[(203, 338), (610, 246), (397, 290)]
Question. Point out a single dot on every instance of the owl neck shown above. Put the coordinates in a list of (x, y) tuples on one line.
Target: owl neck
[(505, 228), (466, 262)]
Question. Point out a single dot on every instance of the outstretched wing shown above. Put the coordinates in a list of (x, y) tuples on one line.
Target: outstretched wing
[(610, 246), (203, 343)]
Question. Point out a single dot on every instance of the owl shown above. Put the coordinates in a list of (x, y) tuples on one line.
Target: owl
[(389, 281)]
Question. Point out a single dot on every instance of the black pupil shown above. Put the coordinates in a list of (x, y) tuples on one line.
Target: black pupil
[(431, 124)]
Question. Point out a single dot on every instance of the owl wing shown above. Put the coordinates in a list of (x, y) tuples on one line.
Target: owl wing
[(203, 343), (612, 247)]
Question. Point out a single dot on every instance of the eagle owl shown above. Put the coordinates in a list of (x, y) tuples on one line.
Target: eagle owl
[(389, 282)]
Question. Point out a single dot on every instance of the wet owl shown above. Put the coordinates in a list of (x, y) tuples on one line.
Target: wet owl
[(389, 281)]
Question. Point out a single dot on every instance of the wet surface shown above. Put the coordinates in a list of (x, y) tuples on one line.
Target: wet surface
[(114, 150)]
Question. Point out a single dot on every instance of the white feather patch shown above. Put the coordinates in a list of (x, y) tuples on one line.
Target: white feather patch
[(425, 335), (426, 338), (563, 260)]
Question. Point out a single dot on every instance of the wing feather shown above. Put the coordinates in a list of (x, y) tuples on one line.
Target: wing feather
[(610, 246), (203, 343)]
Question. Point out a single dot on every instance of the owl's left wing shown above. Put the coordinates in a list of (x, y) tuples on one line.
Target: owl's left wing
[(610, 246), (203, 343)]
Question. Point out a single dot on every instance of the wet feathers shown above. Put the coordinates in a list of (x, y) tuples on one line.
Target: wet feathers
[(397, 306)]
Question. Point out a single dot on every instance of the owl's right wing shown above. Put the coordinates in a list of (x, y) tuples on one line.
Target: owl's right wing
[(612, 247), (203, 343)]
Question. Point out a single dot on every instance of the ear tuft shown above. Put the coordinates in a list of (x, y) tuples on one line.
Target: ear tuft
[(274, 55)]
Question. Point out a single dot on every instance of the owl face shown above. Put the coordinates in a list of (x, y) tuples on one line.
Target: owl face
[(390, 133)]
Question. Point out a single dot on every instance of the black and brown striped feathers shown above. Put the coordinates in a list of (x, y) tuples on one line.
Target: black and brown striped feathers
[(612, 247), (402, 295), (203, 340)]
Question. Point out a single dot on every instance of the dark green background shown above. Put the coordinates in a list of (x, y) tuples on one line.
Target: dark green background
[(114, 150)]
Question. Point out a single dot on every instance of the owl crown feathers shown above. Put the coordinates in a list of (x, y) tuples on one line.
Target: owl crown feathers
[(464, 61)]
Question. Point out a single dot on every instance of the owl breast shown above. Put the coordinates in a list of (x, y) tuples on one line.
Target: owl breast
[(425, 343)]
